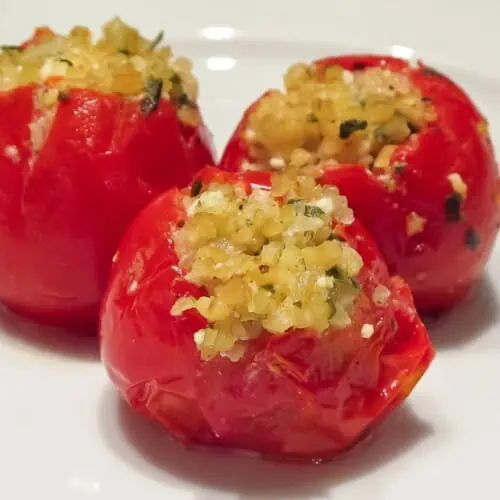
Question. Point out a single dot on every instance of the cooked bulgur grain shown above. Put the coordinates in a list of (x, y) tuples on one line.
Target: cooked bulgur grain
[(121, 62), (414, 223), (339, 115), (269, 261)]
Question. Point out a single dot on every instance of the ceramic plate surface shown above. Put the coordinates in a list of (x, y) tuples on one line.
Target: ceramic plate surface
[(64, 434)]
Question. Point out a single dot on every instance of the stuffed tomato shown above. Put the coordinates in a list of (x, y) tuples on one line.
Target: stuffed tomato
[(89, 134), (246, 316), (406, 146)]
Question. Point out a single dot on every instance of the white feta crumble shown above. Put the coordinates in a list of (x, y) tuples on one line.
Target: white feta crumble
[(199, 337), (457, 183), (348, 77), (53, 67), (277, 162), (325, 282), (326, 204), (209, 201), (367, 330), (380, 295)]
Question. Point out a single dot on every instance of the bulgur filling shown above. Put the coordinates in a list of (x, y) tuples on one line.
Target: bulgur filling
[(339, 115), (268, 261), (120, 62)]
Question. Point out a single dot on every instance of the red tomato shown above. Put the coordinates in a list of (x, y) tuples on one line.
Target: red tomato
[(295, 396), (441, 262), (64, 208)]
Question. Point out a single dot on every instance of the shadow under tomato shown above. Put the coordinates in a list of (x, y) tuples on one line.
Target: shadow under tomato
[(147, 448), (16, 331), (468, 321)]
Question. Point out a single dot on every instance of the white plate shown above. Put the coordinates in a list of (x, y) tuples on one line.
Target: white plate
[(64, 433)]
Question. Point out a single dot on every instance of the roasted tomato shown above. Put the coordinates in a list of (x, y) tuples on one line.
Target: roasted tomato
[(406, 146), (89, 134), (258, 319)]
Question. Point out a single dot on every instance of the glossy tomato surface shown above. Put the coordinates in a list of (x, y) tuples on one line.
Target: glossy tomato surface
[(441, 262), (65, 205), (295, 396)]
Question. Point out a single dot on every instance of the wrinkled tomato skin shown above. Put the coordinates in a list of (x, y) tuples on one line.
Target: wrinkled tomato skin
[(64, 208), (298, 396), (437, 263)]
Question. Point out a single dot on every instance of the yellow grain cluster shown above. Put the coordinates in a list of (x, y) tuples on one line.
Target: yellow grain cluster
[(348, 117), (269, 261), (121, 62)]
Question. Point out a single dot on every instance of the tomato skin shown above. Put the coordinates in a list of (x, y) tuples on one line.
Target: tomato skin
[(64, 208), (298, 396), (451, 144)]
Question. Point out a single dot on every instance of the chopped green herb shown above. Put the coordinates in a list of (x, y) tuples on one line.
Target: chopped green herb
[(11, 47), (358, 66), (63, 95), (348, 127), (67, 61), (311, 118), (336, 272), (156, 41), (269, 288), (400, 166), (183, 100), (332, 305), (312, 211), (381, 134), (309, 235), (176, 79), (196, 188), (336, 237), (471, 238), (452, 207), (413, 128), (153, 95), (293, 201)]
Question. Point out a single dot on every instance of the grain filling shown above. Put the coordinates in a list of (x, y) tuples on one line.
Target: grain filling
[(269, 262)]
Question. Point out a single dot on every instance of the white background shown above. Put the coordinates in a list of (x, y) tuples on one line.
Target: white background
[(65, 436)]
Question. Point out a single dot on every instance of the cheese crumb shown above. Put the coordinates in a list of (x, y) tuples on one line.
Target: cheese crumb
[(367, 330), (457, 183), (380, 295), (199, 337), (52, 67), (325, 282), (326, 204), (348, 77), (414, 223), (209, 201), (277, 163)]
